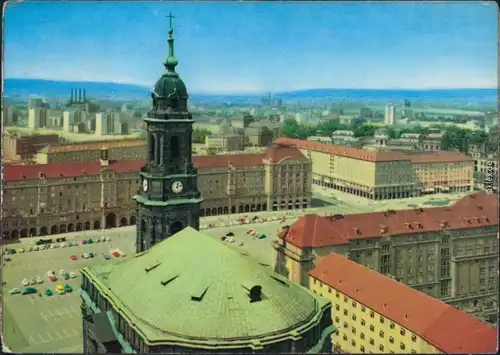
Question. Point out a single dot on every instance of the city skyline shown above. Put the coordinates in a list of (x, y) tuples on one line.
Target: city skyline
[(265, 47)]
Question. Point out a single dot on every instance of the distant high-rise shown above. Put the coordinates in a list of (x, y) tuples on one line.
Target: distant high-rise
[(390, 115), (38, 113)]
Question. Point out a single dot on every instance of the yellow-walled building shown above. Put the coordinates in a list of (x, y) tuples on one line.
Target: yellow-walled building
[(376, 314), (385, 175)]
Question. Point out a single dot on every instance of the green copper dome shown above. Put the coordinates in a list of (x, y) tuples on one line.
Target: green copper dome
[(170, 91), (169, 85), (193, 289)]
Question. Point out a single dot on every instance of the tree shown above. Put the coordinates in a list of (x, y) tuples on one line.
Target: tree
[(199, 135), (290, 128)]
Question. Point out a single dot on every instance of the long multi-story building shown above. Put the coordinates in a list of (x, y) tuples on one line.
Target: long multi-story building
[(71, 196), (17, 148), (447, 252), (375, 314), (386, 175), (90, 152)]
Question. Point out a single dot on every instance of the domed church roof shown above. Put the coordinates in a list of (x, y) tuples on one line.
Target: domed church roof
[(170, 91), (210, 293)]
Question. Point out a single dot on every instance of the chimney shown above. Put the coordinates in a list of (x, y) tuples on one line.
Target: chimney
[(104, 156)]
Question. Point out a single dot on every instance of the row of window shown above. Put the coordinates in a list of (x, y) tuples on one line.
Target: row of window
[(380, 347), (402, 331)]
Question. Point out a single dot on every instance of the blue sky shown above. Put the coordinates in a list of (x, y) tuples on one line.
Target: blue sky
[(235, 47)]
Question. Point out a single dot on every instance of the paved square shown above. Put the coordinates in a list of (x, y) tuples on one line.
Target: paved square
[(34, 323)]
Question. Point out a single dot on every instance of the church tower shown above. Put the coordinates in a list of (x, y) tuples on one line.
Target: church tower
[(169, 199)]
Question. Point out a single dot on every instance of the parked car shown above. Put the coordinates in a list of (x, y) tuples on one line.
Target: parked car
[(20, 250), (66, 276), (29, 290), (72, 275), (39, 280), (73, 257), (50, 273), (52, 278), (116, 254), (85, 255), (67, 288), (49, 292), (60, 289), (11, 251), (91, 255), (107, 256), (33, 281), (15, 291), (25, 282), (62, 272)]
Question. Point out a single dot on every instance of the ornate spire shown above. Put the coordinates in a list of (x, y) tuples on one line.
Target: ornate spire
[(171, 62)]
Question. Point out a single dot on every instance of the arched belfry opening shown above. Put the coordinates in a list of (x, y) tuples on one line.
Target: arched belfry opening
[(174, 147), (152, 144)]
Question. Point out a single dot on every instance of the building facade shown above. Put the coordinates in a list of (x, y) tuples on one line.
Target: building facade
[(390, 115), (38, 116), (449, 253), (375, 314), (225, 142), (73, 195), (133, 149), (16, 148), (385, 175), (121, 303)]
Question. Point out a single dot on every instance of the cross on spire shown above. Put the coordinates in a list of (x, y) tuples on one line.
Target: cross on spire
[(171, 17)]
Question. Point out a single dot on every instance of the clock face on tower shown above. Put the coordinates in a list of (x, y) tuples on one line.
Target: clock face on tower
[(145, 185), (177, 187)]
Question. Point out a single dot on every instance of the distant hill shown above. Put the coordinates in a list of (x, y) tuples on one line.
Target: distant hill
[(52, 89), (458, 95)]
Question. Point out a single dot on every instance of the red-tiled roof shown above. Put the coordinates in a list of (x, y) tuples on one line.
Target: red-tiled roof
[(126, 143), (349, 152), (17, 172), (476, 210), (33, 171), (276, 153), (445, 327), (313, 230), (439, 157), (362, 154)]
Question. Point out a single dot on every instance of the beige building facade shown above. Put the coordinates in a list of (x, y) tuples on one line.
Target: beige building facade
[(224, 142), (87, 152), (43, 199), (385, 175), (449, 253)]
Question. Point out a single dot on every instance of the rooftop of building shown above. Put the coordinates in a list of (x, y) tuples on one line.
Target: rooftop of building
[(274, 154), (445, 327), (312, 231), (362, 154), (78, 147), (193, 289)]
